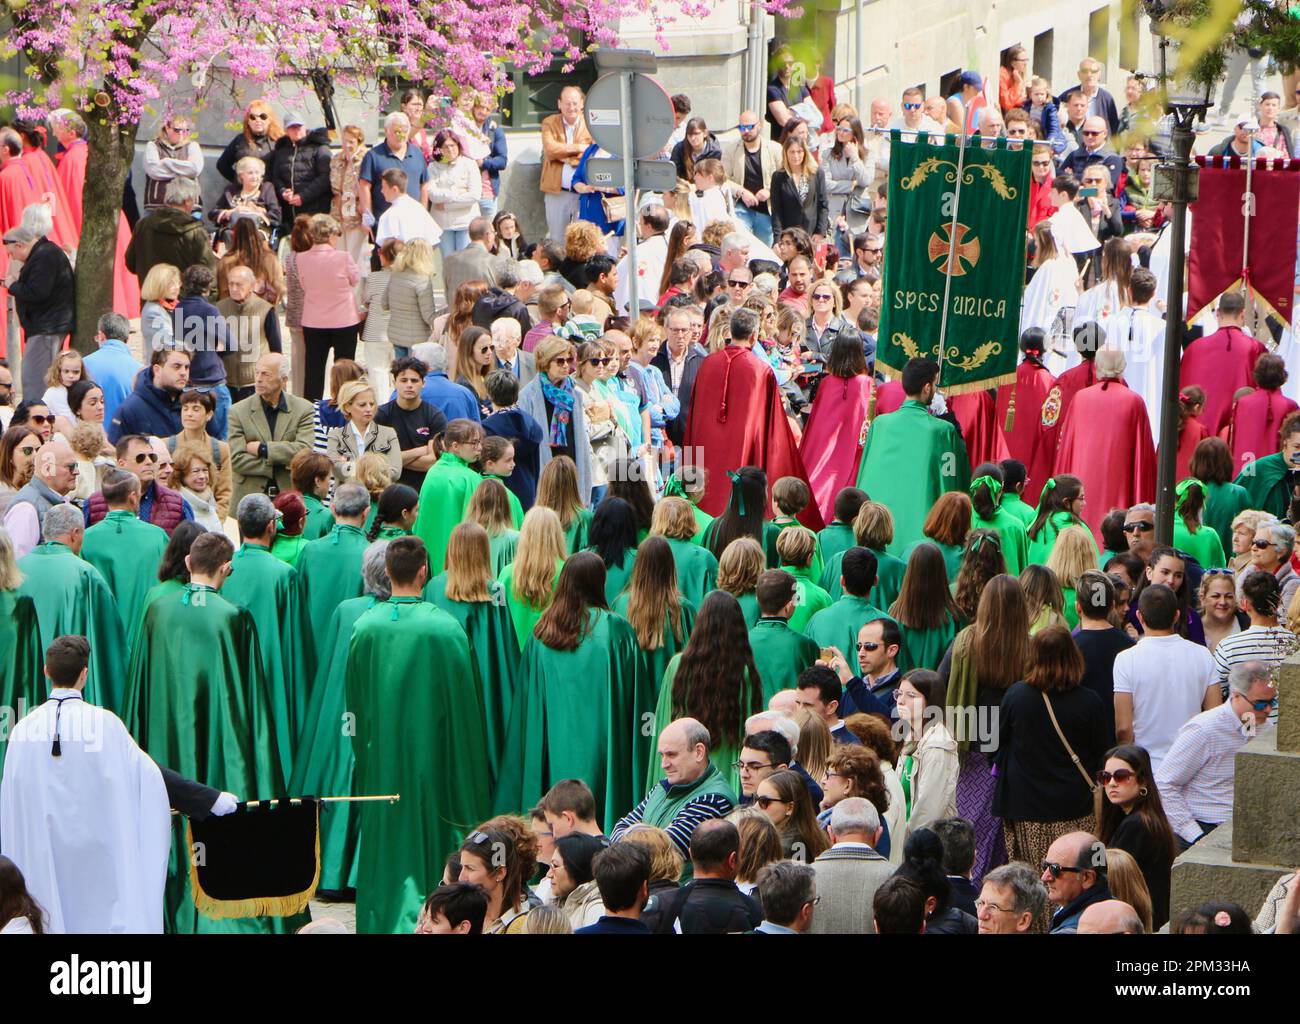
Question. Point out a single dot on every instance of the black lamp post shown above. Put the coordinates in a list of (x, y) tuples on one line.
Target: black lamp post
[(1176, 182)]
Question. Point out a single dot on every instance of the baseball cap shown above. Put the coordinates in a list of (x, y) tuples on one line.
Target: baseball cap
[(1249, 123), (972, 78), (294, 119)]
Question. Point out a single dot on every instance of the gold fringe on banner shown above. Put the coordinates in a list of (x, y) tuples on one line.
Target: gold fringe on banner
[(257, 906), (951, 390)]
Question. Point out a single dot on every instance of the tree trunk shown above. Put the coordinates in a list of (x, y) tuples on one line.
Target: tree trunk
[(112, 148)]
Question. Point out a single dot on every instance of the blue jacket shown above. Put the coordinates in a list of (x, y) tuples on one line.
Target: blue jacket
[(203, 335), (455, 401), (1049, 123), (526, 435), (495, 162), (114, 369), (147, 410), (614, 926)]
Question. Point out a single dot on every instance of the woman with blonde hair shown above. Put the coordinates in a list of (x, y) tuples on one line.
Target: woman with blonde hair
[(1244, 525), (21, 675), (529, 581), (490, 509), (373, 472), (260, 132), (469, 592), (1043, 597), (409, 300), (65, 370), (697, 568), (719, 335), (582, 241), (1073, 554), (557, 489), (545, 920), (666, 864), (798, 191), (760, 845), (1126, 882), (194, 474), (603, 430), (873, 529), (161, 294), (815, 742), (331, 318), (360, 434), (741, 564)]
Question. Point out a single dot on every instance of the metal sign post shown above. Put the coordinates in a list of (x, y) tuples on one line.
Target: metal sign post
[(629, 187)]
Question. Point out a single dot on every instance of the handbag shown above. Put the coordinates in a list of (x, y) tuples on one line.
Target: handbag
[(1093, 787), (615, 208)]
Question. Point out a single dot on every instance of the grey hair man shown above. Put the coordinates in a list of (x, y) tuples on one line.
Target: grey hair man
[(744, 328), (351, 505), (735, 251), (171, 234), (1140, 529), (1110, 917), (691, 790), (1197, 775), (432, 355), (267, 430), (54, 476), (1011, 900), (257, 518), (374, 571), (788, 893), (849, 873), (66, 525)]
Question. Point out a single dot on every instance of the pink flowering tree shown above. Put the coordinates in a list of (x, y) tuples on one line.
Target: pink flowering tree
[(113, 60)]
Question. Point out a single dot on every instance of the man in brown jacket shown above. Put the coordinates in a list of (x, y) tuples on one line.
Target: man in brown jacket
[(564, 139), (251, 322), (267, 431)]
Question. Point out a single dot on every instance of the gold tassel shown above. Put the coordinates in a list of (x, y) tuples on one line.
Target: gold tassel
[(257, 906), (1010, 423)]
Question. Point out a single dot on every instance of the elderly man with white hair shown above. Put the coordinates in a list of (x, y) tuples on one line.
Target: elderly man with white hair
[(506, 336), (778, 719), (849, 872), (1106, 441), (252, 323), (267, 430), (54, 477), (455, 401), (1196, 777), (396, 152), (692, 790), (39, 277)]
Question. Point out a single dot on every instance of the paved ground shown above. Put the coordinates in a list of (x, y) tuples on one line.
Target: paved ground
[(345, 912)]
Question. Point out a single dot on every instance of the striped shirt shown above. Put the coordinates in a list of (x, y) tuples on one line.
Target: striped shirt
[(1196, 776), (680, 829), (1270, 645)]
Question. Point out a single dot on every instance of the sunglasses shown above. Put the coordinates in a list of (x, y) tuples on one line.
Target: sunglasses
[(1086, 132), (1218, 572), (823, 297), (911, 106), (868, 645), (1120, 775), (601, 361), (1260, 545), (1057, 870), (566, 360), (845, 129), (141, 456), (739, 284), (746, 127), (1141, 527), (28, 450), (38, 420), (478, 838), (1264, 705), (764, 802), (259, 117)]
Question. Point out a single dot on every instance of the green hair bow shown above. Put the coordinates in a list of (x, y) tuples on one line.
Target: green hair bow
[(734, 477), (1180, 491), (673, 487), (994, 487)]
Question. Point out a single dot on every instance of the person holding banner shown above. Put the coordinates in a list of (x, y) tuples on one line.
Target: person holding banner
[(1106, 441), (912, 457)]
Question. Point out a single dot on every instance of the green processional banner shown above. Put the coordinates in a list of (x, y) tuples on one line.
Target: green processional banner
[(972, 235)]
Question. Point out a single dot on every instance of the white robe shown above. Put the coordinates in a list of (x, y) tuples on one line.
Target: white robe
[(91, 829), (650, 257), (407, 220), (1048, 303), (1141, 337), (1071, 231)]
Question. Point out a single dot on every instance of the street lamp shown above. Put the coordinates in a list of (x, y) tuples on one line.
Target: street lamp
[(1176, 182)]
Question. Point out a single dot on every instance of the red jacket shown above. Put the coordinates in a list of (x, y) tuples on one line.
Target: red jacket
[(166, 508)]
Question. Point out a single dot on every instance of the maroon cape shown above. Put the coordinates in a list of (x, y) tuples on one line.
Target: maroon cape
[(41, 167), (1068, 384), (736, 420), (17, 191), (1028, 440), (1106, 443), (977, 413), (1220, 364), (1256, 419), (890, 397), (831, 447)]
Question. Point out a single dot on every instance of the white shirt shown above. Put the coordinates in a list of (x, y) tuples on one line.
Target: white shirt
[(566, 171), (1167, 677), (406, 220)]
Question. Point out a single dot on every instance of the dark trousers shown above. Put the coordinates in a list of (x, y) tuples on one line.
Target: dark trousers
[(318, 342)]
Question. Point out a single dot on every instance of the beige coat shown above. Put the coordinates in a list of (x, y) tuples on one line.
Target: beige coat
[(341, 447), (293, 433), (733, 160), (934, 782)]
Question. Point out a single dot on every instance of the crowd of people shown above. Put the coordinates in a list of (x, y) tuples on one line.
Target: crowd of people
[(707, 625)]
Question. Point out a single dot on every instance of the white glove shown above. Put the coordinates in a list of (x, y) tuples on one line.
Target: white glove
[(368, 219), (938, 406), (226, 804)]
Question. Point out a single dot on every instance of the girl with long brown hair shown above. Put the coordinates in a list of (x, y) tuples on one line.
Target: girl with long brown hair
[(474, 361), (925, 609), (987, 657), (447, 328), (981, 561), (784, 798), (1130, 816), (660, 615)]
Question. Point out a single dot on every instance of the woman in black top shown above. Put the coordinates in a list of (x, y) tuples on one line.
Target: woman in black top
[(1041, 793), (698, 144), (923, 864), (798, 192), (1130, 817)]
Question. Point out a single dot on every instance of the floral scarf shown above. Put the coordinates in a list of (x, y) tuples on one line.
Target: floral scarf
[(561, 397)]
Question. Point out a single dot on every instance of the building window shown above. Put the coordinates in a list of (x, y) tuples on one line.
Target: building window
[(1099, 35), (1043, 55)]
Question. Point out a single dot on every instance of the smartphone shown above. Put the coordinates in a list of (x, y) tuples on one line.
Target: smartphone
[(827, 654), (1091, 192)]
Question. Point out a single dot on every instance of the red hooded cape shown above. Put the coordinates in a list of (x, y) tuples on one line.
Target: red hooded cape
[(1106, 443), (831, 448), (977, 414), (736, 420), (890, 397), (72, 177), (1028, 440), (17, 191), (1193, 432), (1220, 364), (41, 168), (1256, 419)]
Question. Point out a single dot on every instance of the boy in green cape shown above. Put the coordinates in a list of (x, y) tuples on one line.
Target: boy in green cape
[(779, 652)]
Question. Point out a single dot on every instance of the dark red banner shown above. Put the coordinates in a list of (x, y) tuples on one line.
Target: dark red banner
[(1221, 256)]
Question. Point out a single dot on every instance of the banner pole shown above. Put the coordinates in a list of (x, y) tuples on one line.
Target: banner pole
[(1247, 212), (952, 251)]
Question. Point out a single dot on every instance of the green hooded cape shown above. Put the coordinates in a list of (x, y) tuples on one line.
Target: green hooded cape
[(325, 765), (697, 569), (780, 654), (1223, 503), (492, 637), (444, 500), (1040, 547), (578, 714), (198, 702), (575, 537), (419, 722), (1019, 508), (657, 660), (1015, 542), (22, 678), (809, 598), (268, 588), (523, 614), (1264, 481), (329, 572), (126, 551), (502, 548), (889, 577), (71, 597), (838, 625), (319, 521), (833, 539), (925, 648), (909, 460)]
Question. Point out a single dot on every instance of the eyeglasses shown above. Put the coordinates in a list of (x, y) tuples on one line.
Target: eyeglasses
[(750, 766), (868, 645), (845, 129), (1139, 527), (764, 802), (911, 106), (1120, 775), (834, 775), (986, 905), (141, 456), (1260, 545), (739, 284), (1057, 870)]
